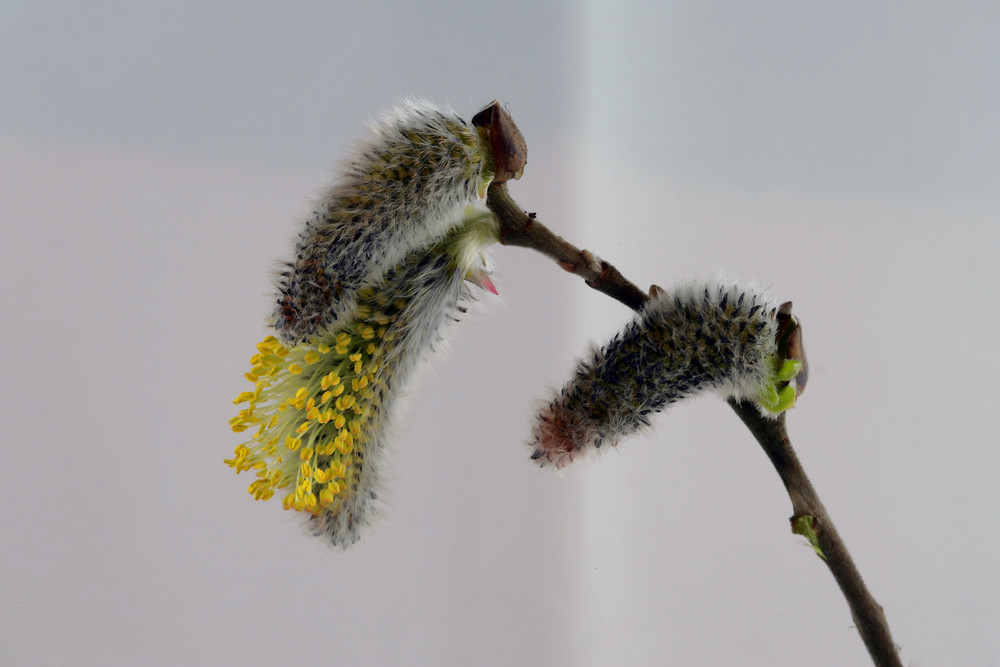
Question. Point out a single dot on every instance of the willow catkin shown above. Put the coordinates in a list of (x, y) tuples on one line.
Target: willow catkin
[(404, 189), (702, 336)]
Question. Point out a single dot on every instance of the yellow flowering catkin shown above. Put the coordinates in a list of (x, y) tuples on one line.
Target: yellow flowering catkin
[(320, 410)]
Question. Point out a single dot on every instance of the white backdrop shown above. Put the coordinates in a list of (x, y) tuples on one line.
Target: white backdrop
[(154, 158)]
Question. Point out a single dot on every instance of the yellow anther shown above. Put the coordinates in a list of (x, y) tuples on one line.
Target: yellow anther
[(323, 348), (345, 402), (309, 502), (339, 421), (303, 427), (293, 443), (325, 398), (338, 390), (305, 473), (372, 347), (354, 427), (363, 381), (301, 393), (306, 454), (367, 333), (312, 356), (355, 357), (358, 366), (294, 369), (343, 339), (271, 360), (319, 475)]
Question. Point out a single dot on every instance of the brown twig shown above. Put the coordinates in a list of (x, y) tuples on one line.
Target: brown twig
[(809, 518), (518, 228)]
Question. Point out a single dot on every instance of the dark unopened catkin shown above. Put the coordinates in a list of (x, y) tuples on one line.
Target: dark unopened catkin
[(702, 336)]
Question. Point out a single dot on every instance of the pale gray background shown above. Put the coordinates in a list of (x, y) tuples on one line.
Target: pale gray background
[(154, 158)]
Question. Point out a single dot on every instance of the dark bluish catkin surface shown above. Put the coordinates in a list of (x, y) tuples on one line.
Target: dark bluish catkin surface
[(405, 189), (703, 336)]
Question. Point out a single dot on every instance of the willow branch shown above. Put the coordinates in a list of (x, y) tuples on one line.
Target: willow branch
[(809, 517), (521, 229)]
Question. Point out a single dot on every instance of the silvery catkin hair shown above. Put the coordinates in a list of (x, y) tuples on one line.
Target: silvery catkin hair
[(404, 189), (702, 336)]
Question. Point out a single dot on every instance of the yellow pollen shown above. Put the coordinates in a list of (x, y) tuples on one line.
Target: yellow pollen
[(243, 398)]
